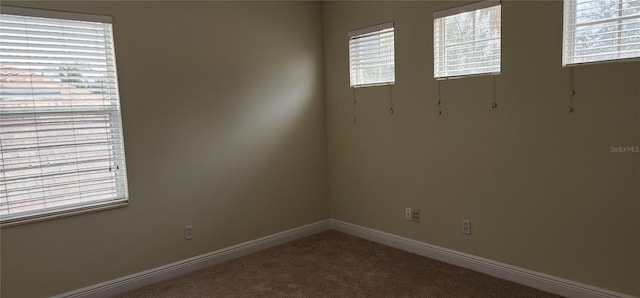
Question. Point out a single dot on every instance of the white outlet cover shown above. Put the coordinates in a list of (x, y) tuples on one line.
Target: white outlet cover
[(188, 232), (466, 226)]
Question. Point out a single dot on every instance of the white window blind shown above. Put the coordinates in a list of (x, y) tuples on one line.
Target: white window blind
[(466, 40), (371, 56), (60, 129), (600, 30)]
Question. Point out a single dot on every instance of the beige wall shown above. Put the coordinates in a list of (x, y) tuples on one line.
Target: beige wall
[(540, 186), (225, 130), (224, 124)]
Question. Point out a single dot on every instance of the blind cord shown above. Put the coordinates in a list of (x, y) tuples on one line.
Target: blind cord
[(391, 99), (439, 100), (354, 103), (3, 176), (572, 91), (36, 126), (494, 103), (68, 69)]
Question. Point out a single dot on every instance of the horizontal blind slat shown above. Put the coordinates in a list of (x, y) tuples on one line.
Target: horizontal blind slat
[(51, 34), (59, 174), (65, 196), (58, 26), (61, 60), (630, 33), (55, 41), (33, 45), (614, 48)]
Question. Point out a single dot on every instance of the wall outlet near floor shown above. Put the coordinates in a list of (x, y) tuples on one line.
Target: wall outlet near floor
[(415, 215), (188, 232), (466, 226), (407, 213)]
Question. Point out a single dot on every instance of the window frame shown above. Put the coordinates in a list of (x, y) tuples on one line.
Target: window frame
[(121, 199), (568, 13), (437, 15), (363, 32)]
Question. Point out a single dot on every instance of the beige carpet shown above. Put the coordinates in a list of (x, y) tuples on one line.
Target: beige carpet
[(332, 264)]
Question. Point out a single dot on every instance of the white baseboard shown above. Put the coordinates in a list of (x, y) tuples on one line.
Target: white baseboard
[(154, 275), (519, 275)]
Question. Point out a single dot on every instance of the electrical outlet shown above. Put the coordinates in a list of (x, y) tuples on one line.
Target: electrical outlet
[(188, 232), (415, 215), (407, 213), (466, 226)]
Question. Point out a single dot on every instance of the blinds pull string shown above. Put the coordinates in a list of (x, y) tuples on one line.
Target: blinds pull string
[(68, 71), (2, 175), (494, 103), (439, 100), (35, 125), (391, 99), (106, 101), (572, 91), (354, 103)]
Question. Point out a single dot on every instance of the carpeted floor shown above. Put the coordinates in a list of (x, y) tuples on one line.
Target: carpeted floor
[(332, 264)]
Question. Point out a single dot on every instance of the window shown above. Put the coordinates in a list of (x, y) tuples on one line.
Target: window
[(600, 30), (371, 56), (60, 130), (466, 40)]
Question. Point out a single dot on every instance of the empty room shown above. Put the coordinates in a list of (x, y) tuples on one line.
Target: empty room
[(320, 148)]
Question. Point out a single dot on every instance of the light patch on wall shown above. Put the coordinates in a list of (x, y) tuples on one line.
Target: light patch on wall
[(277, 104)]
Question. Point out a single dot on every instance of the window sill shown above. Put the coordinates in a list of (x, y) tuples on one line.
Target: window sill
[(62, 213), (467, 76), (620, 60), (373, 85)]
